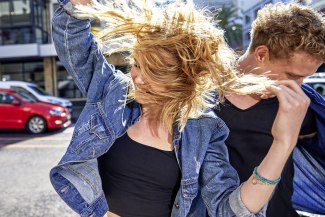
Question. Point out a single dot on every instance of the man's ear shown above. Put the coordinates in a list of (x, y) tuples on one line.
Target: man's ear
[(261, 53)]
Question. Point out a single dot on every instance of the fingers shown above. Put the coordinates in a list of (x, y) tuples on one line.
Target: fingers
[(292, 85), (267, 96), (291, 93), (293, 105)]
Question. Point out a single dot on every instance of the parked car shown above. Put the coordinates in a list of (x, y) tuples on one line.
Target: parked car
[(18, 110), (317, 75), (317, 83), (37, 92)]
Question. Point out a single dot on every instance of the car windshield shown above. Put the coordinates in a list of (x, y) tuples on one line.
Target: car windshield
[(39, 90), (26, 96)]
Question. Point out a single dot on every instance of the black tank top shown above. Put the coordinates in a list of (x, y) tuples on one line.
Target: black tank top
[(250, 139), (139, 180)]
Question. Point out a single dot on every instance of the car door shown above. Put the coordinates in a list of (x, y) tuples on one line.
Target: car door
[(10, 115)]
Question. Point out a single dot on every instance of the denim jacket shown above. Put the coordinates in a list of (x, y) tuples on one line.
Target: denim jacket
[(309, 162), (208, 180)]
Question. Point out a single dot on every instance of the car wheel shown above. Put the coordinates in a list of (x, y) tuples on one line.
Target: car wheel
[(36, 124)]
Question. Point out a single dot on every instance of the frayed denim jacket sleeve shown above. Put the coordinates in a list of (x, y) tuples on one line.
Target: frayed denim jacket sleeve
[(79, 53), (217, 173)]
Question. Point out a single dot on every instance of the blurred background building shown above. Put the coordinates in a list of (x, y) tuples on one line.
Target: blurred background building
[(27, 52), (26, 48), (250, 8)]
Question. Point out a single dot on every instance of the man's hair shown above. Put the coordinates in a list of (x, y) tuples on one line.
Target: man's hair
[(288, 28), (176, 47)]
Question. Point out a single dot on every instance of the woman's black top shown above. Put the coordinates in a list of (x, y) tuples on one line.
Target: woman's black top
[(139, 180)]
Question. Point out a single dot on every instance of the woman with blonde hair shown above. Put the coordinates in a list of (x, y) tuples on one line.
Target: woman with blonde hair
[(148, 143)]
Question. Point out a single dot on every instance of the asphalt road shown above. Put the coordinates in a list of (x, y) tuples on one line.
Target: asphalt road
[(25, 162)]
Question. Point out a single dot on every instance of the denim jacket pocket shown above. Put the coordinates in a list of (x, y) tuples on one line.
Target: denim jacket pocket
[(189, 187), (92, 132)]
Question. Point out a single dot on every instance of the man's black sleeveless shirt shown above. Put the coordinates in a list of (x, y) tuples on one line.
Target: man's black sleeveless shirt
[(250, 139)]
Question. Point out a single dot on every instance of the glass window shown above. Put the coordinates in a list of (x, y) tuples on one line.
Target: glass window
[(12, 71), (21, 35), (248, 36), (15, 13), (247, 19), (4, 14), (1, 96), (6, 98), (255, 12), (20, 12), (19, 26), (39, 35), (23, 71), (26, 96), (24, 92), (39, 90)]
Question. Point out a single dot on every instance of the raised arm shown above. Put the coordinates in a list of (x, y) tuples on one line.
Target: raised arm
[(293, 105), (78, 52), (252, 197)]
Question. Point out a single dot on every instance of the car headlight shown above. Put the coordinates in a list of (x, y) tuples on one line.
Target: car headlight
[(56, 112)]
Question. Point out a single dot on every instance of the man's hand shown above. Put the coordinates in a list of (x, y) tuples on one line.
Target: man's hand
[(293, 105), (83, 2)]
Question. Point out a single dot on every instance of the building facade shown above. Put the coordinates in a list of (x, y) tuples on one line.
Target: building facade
[(249, 15), (250, 9), (26, 49), (212, 3), (27, 52)]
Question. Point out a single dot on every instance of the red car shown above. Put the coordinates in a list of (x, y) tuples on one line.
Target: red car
[(19, 110)]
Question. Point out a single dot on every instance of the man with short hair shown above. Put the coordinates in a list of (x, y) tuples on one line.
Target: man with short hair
[(287, 43)]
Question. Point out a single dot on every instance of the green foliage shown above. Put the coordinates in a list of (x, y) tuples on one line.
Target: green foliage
[(228, 20)]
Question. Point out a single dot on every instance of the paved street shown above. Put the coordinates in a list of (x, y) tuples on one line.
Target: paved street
[(25, 162)]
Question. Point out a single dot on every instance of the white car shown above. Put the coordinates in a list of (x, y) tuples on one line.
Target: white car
[(37, 92), (317, 75), (317, 83)]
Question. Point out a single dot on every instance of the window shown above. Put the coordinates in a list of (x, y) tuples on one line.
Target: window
[(39, 90), (247, 19), (4, 14), (22, 35), (23, 71), (26, 96), (6, 98), (255, 12), (23, 22), (248, 36), (15, 13)]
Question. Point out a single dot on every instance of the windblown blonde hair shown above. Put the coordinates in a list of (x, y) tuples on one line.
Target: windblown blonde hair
[(287, 28), (176, 47)]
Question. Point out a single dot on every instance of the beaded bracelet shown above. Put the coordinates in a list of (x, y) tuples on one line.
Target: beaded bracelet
[(264, 180)]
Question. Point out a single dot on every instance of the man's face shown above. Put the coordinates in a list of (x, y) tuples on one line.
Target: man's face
[(296, 68)]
